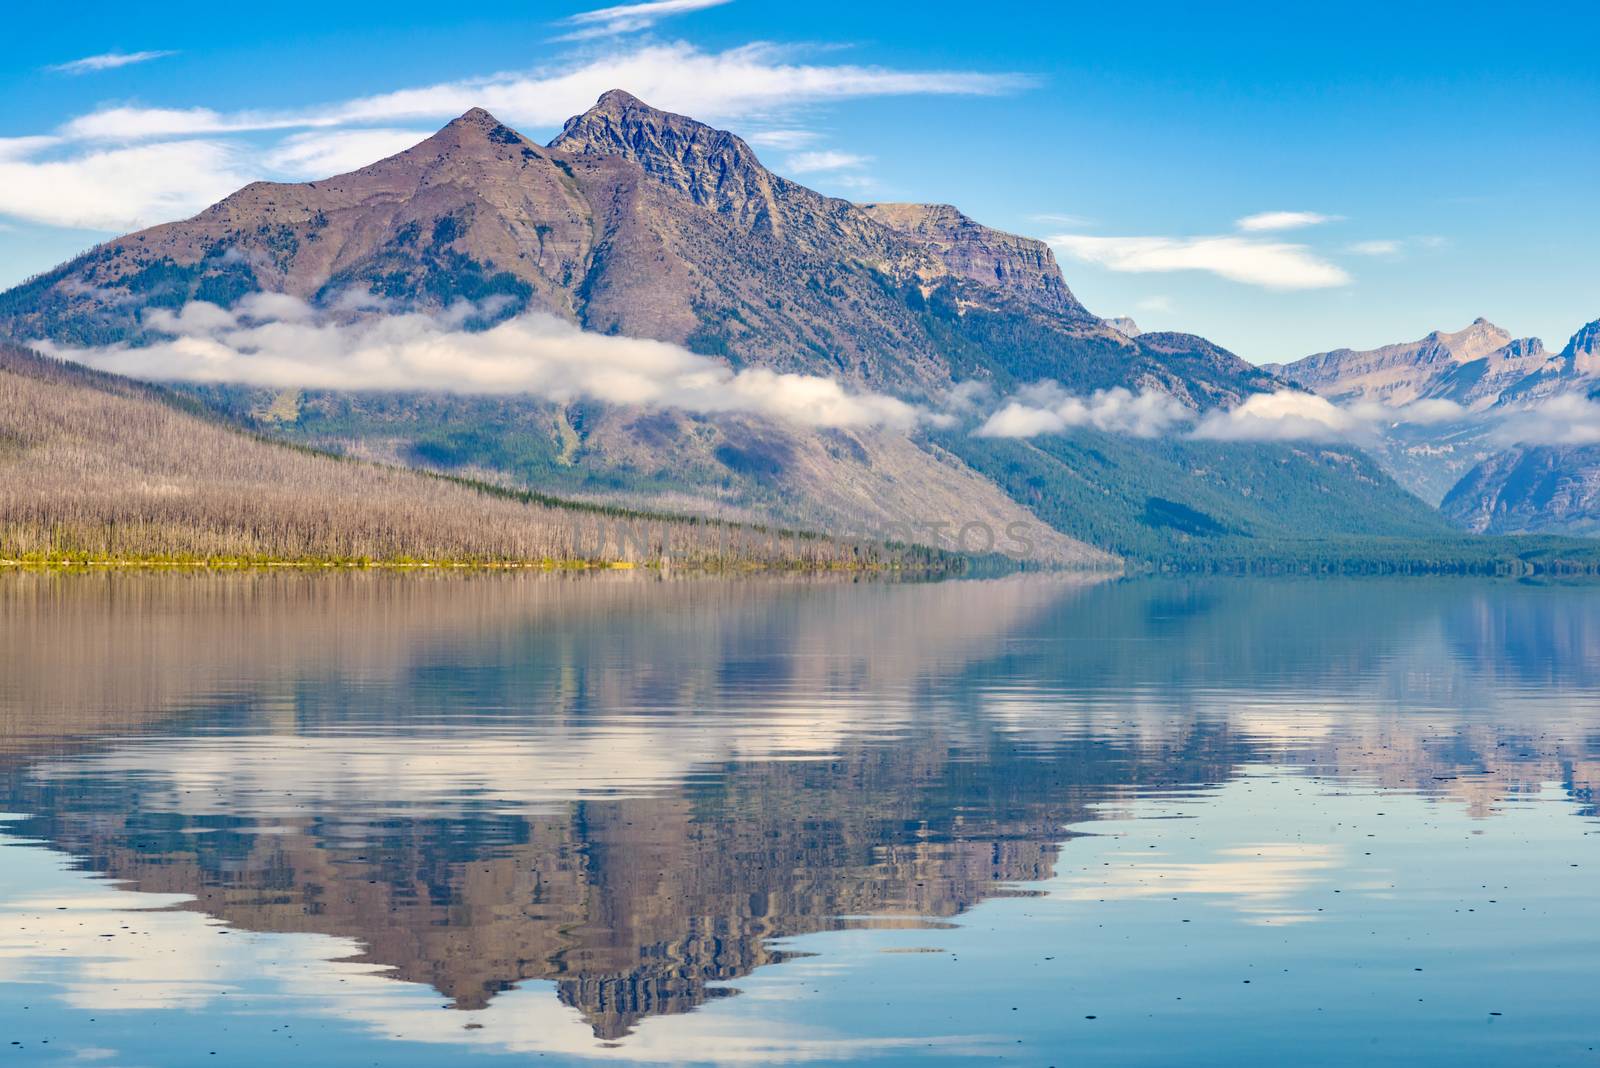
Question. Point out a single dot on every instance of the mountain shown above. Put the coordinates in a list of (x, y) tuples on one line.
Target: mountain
[(1396, 374), (1542, 489), (1573, 369), (637, 222), (1483, 369), (641, 223), (1124, 325)]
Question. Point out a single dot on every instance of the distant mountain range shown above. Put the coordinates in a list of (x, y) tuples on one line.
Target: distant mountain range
[(638, 223), (1478, 368), (1462, 460)]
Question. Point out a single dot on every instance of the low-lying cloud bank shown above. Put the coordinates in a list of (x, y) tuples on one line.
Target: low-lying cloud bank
[(283, 342), (1046, 408), (1285, 415), (1564, 420)]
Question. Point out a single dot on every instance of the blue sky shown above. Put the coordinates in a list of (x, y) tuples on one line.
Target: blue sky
[(1400, 171)]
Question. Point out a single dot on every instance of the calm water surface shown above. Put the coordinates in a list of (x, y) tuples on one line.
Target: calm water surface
[(368, 819)]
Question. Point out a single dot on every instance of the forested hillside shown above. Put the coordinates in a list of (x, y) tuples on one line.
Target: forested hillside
[(1187, 505)]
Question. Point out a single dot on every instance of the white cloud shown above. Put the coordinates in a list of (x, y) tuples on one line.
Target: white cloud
[(1281, 416), (1286, 415), (1375, 248), (1046, 408), (630, 18), (749, 82), (1430, 412), (1290, 416), (824, 160), (1061, 220), (1569, 419), (23, 147), (318, 154), (276, 340), (1282, 220), (1157, 303), (107, 61), (1269, 264), (141, 124), (119, 189)]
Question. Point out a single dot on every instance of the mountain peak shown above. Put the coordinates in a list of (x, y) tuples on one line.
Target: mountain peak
[(618, 100), (474, 133), (619, 111), (713, 167), (475, 117)]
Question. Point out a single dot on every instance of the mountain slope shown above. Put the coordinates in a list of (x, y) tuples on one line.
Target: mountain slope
[(96, 466), (1530, 490), (1199, 502)]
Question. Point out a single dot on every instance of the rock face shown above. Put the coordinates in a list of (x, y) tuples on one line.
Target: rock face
[(1020, 266), (1124, 326), (1530, 490)]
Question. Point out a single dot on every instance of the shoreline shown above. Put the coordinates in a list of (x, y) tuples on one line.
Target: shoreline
[(220, 564)]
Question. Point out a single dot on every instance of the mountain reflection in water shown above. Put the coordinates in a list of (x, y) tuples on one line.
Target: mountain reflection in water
[(643, 791)]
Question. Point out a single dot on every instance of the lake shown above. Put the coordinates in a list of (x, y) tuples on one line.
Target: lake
[(435, 819)]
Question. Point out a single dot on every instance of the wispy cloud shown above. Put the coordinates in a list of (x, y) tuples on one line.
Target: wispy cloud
[(319, 154), (783, 140), (826, 160), (1059, 219), (107, 61), (1268, 221), (1381, 249), (752, 82), (277, 340), (120, 188), (629, 18), (1264, 263), (24, 147), (1394, 248)]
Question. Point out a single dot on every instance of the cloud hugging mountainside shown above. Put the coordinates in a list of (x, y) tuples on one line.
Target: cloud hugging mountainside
[(479, 263)]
